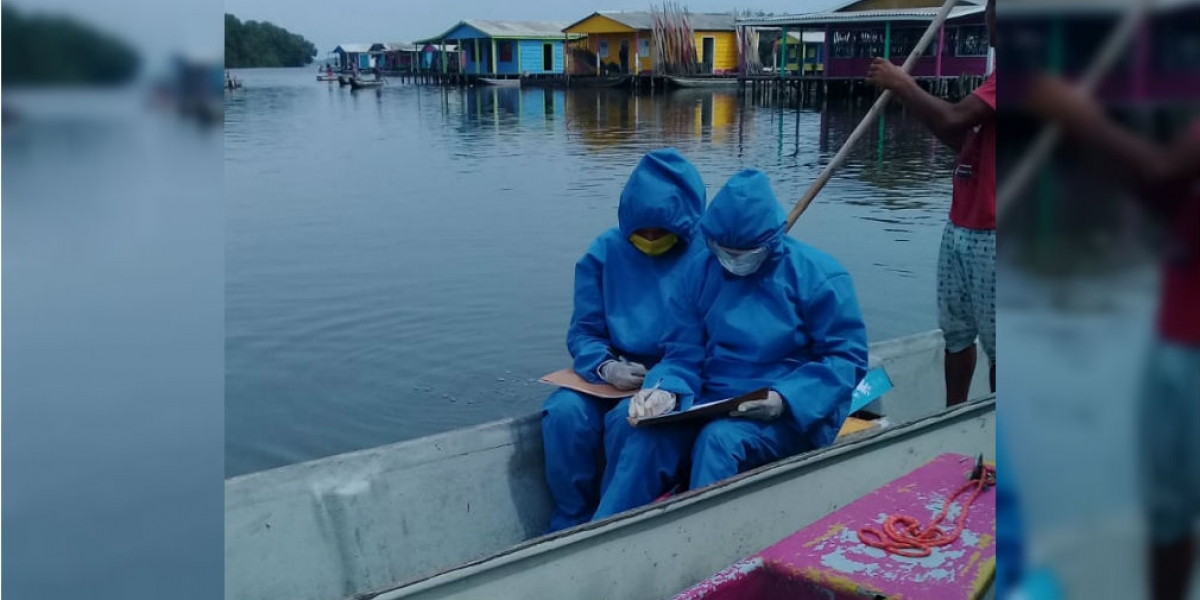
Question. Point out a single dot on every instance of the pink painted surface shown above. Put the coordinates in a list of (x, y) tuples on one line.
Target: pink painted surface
[(826, 560)]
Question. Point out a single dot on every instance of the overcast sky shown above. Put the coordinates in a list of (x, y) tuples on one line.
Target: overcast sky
[(328, 24), (160, 27)]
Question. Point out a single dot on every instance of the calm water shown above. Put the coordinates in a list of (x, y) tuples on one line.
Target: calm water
[(399, 262), (112, 350)]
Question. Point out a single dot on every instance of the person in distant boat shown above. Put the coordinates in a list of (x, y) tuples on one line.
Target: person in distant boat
[(758, 310), (966, 273), (618, 321)]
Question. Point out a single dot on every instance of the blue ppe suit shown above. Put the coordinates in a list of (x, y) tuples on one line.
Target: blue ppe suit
[(793, 326), (619, 312)]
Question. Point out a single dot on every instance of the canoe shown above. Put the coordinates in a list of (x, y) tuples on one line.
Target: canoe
[(327, 77), (358, 84), (500, 82), (601, 81), (458, 515), (703, 82), (343, 80)]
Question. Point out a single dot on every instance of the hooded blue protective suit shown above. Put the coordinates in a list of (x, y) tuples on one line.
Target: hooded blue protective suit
[(793, 326), (620, 312)]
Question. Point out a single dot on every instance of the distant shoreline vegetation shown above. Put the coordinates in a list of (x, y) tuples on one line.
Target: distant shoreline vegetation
[(253, 44), (51, 50)]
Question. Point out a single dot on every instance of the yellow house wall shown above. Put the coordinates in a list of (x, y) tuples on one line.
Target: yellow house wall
[(614, 47), (599, 24), (725, 57)]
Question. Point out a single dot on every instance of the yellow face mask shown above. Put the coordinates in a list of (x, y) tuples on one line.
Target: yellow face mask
[(654, 247)]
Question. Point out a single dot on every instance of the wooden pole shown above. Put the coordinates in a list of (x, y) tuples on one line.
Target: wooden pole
[(1006, 191), (859, 131)]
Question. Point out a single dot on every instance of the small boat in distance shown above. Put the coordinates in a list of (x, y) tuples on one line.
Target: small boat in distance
[(358, 84), (703, 82), (500, 82)]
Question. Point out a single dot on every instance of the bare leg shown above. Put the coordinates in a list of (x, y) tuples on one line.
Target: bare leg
[(1171, 569), (960, 367)]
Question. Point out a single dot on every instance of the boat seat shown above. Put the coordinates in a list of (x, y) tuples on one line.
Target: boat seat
[(826, 560)]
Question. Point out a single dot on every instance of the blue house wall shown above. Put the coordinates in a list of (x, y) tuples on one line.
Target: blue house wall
[(531, 56), (526, 55)]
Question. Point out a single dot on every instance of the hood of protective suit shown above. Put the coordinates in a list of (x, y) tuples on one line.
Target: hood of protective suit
[(665, 191), (745, 214)]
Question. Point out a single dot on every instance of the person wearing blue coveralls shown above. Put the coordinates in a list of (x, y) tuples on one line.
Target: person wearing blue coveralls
[(619, 318), (758, 310)]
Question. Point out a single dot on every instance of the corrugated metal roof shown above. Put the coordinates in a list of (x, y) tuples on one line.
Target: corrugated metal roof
[(506, 29), (861, 16), (353, 48), (644, 20), (934, 4), (521, 29), (393, 47)]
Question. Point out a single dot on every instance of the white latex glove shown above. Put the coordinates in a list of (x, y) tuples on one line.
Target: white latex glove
[(651, 403), (623, 375), (766, 410)]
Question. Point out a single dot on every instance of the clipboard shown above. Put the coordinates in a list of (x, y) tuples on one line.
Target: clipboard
[(720, 408), (568, 378), (873, 385)]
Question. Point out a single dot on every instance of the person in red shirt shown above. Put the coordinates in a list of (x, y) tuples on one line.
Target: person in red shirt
[(967, 259), (1166, 180)]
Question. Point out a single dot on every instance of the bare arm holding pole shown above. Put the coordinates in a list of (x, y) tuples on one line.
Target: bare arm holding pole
[(869, 119)]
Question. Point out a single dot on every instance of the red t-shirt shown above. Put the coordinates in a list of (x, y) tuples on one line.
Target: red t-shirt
[(974, 202), (1179, 310)]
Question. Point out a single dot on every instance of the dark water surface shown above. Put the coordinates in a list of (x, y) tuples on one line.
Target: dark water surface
[(399, 262)]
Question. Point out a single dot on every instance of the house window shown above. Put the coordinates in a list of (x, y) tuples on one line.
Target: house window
[(643, 47), (904, 39), (603, 49), (506, 51), (864, 43), (968, 40)]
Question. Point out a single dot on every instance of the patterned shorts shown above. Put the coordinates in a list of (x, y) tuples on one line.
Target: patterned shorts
[(966, 288), (1169, 422)]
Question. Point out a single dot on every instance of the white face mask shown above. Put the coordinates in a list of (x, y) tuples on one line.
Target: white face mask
[(739, 262)]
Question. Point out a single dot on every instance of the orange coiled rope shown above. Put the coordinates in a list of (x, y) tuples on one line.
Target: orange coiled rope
[(902, 535)]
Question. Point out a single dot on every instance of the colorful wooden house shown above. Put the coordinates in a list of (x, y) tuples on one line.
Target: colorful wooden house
[(360, 56), (622, 41), (805, 48), (505, 47), (859, 31)]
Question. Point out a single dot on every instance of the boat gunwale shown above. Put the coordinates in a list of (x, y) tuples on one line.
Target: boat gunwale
[(508, 425), (543, 544)]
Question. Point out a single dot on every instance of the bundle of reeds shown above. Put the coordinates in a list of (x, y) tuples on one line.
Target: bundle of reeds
[(674, 49), (748, 57)]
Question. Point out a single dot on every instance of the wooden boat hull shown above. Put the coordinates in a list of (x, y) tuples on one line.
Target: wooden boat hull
[(360, 85), (500, 82), (400, 518), (327, 77), (615, 81), (703, 82)]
